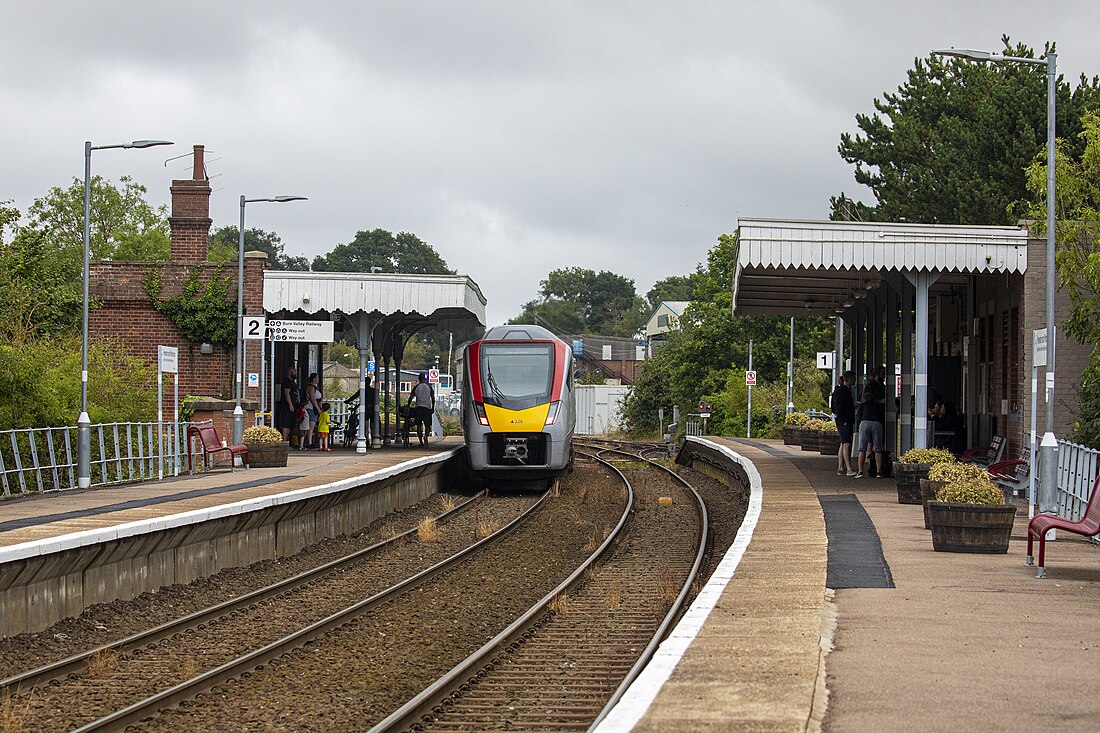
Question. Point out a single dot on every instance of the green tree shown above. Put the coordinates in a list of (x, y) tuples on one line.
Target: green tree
[(707, 358), (672, 288), (224, 241), (579, 300), (1077, 253), (951, 145), (404, 253), (122, 224)]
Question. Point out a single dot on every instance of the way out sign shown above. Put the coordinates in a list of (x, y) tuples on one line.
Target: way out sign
[(824, 360), (750, 378)]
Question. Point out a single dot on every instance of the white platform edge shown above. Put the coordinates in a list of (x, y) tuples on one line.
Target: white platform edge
[(73, 540), (640, 695)]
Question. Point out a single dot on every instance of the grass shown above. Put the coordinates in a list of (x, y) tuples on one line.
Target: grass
[(559, 604), (14, 714), (103, 663), (614, 597), (427, 531), (486, 527), (668, 587), (388, 531), (448, 503), (189, 669), (593, 543)]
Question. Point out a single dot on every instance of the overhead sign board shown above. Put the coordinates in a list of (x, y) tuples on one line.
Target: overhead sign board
[(252, 327), (750, 378), (168, 359), (824, 360), (314, 332)]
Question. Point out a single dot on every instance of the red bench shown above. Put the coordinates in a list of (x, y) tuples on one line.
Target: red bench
[(1089, 526), (1014, 474), (212, 444), (986, 455)]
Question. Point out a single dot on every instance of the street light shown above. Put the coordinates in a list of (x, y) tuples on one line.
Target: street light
[(238, 413), (84, 423), (1049, 447)]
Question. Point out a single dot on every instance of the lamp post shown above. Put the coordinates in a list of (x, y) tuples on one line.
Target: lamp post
[(238, 386), (84, 423), (1048, 451)]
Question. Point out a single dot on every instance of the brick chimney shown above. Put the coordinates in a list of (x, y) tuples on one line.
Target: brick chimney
[(190, 220)]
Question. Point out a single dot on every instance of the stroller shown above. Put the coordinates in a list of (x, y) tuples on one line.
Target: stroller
[(406, 425), (351, 428)]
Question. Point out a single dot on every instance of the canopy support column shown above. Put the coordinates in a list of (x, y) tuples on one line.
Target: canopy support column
[(922, 281), (891, 316)]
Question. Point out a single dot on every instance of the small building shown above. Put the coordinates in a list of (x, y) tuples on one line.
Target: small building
[(616, 358), (665, 318)]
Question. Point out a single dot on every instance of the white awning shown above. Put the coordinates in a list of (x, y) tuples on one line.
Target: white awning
[(814, 267), (449, 301)]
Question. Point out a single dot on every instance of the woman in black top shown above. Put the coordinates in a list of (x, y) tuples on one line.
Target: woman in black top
[(844, 409), (286, 410)]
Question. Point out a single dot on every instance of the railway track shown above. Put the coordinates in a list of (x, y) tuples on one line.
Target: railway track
[(568, 658), (111, 685)]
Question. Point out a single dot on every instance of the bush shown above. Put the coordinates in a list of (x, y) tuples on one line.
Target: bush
[(927, 455), (261, 434), (797, 419), (973, 490), (951, 472)]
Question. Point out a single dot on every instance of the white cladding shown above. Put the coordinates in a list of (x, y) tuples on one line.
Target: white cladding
[(845, 245), (599, 408), (379, 293)]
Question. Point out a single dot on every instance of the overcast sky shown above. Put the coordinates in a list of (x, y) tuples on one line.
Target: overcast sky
[(514, 137)]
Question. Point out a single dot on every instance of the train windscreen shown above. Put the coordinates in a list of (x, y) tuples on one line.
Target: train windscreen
[(517, 371)]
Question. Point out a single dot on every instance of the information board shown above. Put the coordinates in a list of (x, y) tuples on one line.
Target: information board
[(315, 332)]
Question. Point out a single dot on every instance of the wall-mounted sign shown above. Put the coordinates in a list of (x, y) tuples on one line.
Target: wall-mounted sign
[(314, 332), (252, 327)]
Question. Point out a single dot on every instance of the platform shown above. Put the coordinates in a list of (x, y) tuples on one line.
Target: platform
[(63, 551), (960, 642)]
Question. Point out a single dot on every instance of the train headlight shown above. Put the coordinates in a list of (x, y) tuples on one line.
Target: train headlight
[(552, 413), (479, 410)]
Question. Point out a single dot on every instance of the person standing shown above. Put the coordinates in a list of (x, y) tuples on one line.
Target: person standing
[(286, 411), (844, 408), (323, 424), (425, 406), (871, 434), (313, 407)]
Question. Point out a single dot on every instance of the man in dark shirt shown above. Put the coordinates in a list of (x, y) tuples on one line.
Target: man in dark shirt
[(425, 406), (844, 408)]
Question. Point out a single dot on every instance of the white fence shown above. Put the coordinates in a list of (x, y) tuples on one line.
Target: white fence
[(44, 459), (1078, 466)]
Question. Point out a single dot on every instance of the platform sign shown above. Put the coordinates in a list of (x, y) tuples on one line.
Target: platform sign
[(370, 368), (168, 359), (750, 378), (314, 332), (433, 376), (1039, 347), (824, 360), (253, 328)]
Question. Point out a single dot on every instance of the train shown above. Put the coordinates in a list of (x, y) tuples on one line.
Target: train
[(518, 404)]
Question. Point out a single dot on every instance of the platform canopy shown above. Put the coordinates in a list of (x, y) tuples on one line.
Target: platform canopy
[(792, 267), (443, 301)]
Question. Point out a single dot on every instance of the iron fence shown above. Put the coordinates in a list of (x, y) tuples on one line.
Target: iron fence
[(44, 459)]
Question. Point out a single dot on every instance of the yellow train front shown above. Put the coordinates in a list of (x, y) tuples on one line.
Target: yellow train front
[(518, 405)]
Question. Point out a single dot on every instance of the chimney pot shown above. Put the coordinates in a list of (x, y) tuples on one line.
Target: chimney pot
[(198, 171)]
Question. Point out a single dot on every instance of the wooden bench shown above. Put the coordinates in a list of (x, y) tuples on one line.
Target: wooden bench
[(1088, 526), (212, 444), (987, 455), (1012, 474)]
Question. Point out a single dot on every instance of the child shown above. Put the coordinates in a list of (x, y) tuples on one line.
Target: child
[(323, 422)]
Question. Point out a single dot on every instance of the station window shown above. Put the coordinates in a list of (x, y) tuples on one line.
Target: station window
[(662, 321)]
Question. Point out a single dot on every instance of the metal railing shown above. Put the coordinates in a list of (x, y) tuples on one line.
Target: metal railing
[(1078, 466), (44, 459)]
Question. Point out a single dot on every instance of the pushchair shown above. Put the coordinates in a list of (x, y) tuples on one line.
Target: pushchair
[(351, 428), (406, 425)]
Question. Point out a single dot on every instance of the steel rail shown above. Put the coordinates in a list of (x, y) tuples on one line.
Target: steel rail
[(78, 662), (678, 604), (187, 689), (445, 686)]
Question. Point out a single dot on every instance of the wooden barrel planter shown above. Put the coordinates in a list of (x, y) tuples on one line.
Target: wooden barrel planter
[(810, 440), (828, 442), (928, 489), (984, 528), (792, 435), (908, 476), (267, 455)]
